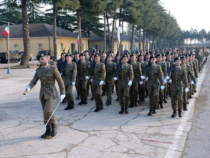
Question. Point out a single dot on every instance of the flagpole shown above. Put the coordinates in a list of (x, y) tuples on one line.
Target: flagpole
[(9, 70)]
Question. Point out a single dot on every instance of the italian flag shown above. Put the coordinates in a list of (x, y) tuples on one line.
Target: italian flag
[(6, 31), (78, 38)]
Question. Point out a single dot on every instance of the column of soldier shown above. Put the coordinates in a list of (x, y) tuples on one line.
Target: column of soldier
[(156, 74)]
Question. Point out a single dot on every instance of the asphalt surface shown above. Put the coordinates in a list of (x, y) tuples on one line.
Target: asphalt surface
[(198, 141)]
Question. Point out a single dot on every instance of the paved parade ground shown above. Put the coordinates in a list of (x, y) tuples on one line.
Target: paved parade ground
[(83, 133)]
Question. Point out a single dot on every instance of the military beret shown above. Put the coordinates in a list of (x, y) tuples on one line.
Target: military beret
[(125, 55), (163, 54), (152, 56), (158, 55), (48, 53), (41, 54), (177, 58), (109, 55), (133, 54), (183, 57), (81, 54), (147, 53), (63, 53), (141, 54), (68, 55), (96, 55), (190, 55), (76, 52), (168, 53)]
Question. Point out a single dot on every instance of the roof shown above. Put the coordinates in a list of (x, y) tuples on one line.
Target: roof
[(37, 30), (94, 37)]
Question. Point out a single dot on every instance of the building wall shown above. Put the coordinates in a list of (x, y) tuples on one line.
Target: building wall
[(42, 43)]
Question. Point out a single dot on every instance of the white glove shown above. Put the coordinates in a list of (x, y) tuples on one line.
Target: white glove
[(191, 83), (130, 83), (101, 83), (167, 77), (141, 82), (62, 97), (142, 77), (162, 87), (35, 72), (91, 80), (115, 78), (197, 79), (146, 78), (165, 81), (73, 83), (186, 90), (196, 84), (28, 88), (169, 81), (87, 77)]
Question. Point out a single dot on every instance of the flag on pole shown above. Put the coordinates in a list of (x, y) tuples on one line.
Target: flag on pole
[(78, 38), (6, 31)]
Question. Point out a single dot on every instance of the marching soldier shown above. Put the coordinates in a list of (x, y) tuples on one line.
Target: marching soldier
[(51, 62), (125, 78), (69, 77), (82, 71), (76, 60), (136, 81), (110, 72), (47, 74), (117, 61), (142, 84), (177, 76), (155, 79), (164, 70), (98, 75), (103, 60)]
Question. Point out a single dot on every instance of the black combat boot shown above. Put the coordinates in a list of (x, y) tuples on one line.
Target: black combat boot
[(154, 110), (161, 104), (150, 112), (70, 106), (174, 114), (54, 130), (92, 98), (122, 110), (81, 102), (108, 102), (97, 108), (101, 106), (77, 97), (126, 110), (131, 104), (47, 133), (180, 113), (185, 107), (165, 101), (85, 101)]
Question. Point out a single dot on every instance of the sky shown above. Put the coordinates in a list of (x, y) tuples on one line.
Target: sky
[(189, 13)]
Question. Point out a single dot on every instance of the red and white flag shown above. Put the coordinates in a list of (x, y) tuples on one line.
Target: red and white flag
[(6, 31)]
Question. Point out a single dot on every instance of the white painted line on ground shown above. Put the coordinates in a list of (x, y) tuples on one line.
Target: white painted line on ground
[(178, 133)]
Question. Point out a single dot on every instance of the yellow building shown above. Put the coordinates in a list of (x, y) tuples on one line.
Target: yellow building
[(41, 38), (97, 43)]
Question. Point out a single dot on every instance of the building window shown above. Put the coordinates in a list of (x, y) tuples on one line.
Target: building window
[(40, 47), (16, 47), (96, 47), (72, 48), (61, 47)]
